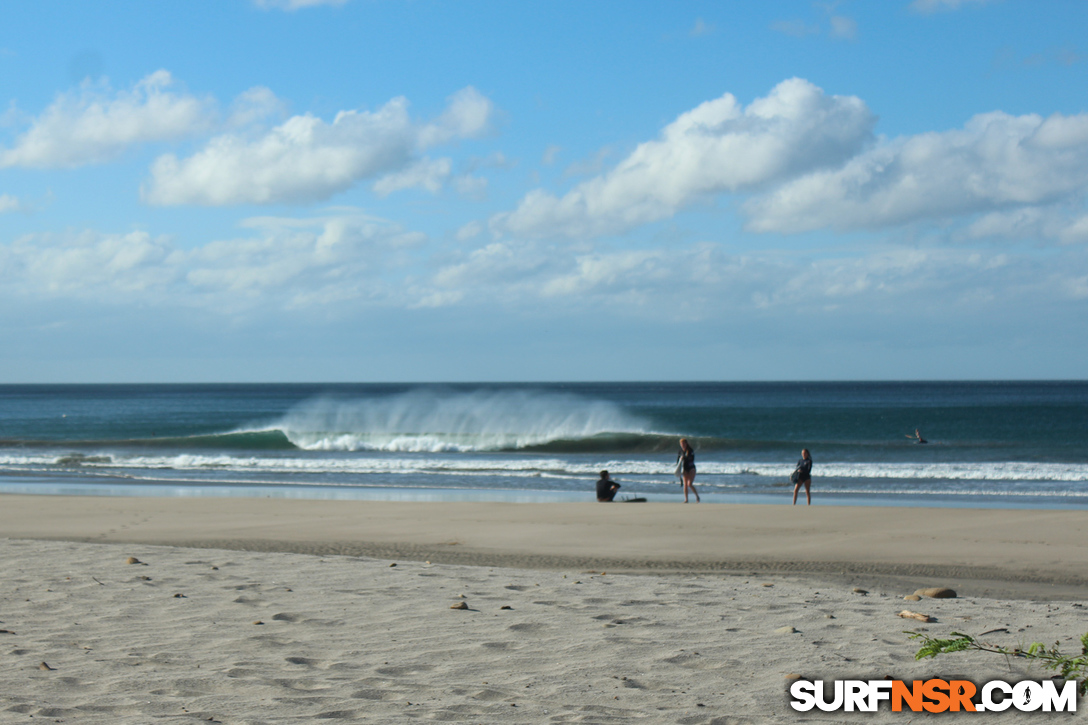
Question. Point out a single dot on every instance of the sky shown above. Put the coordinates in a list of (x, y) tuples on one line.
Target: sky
[(408, 190)]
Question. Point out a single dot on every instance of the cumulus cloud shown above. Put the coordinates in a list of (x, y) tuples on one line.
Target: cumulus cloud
[(254, 106), (97, 124), (288, 262), (996, 161), (424, 174), (717, 147), (307, 159)]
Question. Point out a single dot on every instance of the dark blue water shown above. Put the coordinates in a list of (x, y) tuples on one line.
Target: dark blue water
[(1022, 444)]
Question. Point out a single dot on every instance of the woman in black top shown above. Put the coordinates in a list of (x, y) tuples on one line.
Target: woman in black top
[(803, 474), (686, 461)]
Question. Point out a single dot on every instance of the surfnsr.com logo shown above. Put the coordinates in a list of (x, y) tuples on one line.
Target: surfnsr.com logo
[(934, 696)]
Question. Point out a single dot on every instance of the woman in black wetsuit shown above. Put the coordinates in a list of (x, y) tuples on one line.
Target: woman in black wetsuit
[(803, 474), (686, 460)]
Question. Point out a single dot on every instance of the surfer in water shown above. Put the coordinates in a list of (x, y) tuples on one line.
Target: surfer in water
[(606, 488), (917, 437), (803, 475), (685, 465)]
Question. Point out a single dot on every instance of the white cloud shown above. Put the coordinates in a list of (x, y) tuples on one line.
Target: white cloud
[(289, 263), (96, 124), (306, 159), (703, 281), (996, 161), (469, 231), (254, 106), (717, 147), (75, 264), (345, 260), (468, 115), (10, 203), (424, 174), (1035, 223)]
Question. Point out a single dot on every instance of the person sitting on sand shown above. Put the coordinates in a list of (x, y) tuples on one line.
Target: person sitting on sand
[(606, 488), (917, 437), (803, 475)]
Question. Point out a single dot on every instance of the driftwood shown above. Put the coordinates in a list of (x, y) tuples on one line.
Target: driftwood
[(907, 614)]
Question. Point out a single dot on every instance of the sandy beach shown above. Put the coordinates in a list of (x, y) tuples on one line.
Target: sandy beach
[(267, 610)]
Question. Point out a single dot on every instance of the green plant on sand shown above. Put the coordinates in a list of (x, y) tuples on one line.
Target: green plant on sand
[(1051, 658)]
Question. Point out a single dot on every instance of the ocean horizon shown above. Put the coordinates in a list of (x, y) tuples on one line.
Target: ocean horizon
[(1017, 444)]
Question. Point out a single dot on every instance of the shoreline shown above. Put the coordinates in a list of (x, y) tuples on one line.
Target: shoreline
[(1034, 554)]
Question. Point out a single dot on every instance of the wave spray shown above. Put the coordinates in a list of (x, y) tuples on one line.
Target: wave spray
[(449, 421)]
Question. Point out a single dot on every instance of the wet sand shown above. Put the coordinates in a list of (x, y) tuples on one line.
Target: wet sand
[(1036, 554)]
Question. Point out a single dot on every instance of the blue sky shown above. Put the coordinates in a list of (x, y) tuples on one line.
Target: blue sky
[(381, 190)]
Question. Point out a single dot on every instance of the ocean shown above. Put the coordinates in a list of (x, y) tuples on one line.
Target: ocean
[(990, 444)]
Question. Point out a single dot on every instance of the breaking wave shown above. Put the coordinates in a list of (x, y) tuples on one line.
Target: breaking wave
[(425, 421)]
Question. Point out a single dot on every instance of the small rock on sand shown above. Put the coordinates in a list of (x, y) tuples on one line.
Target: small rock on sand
[(913, 598), (459, 605), (907, 614), (936, 593), (785, 630), (793, 676), (133, 560), (43, 666), (858, 590)]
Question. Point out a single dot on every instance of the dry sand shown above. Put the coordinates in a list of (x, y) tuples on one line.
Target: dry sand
[(291, 611)]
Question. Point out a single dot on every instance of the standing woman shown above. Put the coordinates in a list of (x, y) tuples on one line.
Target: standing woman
[(685, 461), (803, 474)]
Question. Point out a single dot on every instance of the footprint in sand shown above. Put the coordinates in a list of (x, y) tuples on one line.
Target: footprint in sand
[(528, 628), (286, 617)]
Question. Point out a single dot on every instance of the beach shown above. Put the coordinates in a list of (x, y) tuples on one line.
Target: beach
[(266, 610)]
